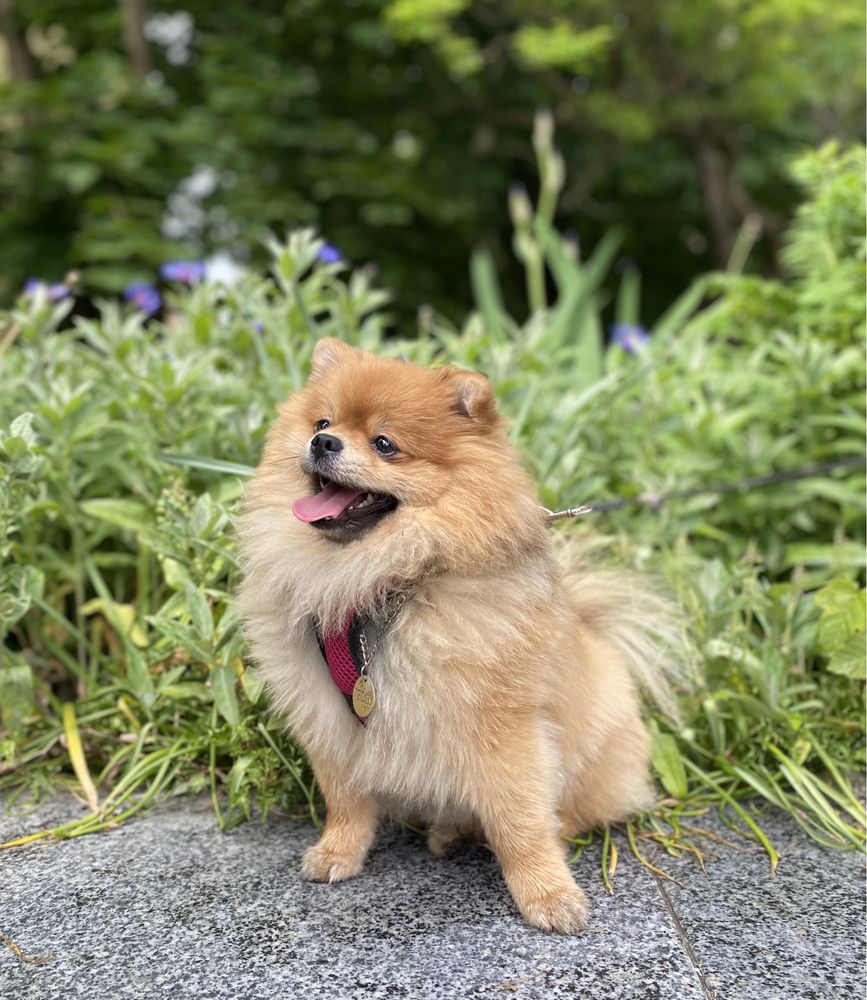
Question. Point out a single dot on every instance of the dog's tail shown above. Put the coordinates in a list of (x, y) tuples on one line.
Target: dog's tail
[(635, 613)]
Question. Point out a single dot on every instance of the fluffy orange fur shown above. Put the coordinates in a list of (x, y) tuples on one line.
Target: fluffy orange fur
[(507, 705)]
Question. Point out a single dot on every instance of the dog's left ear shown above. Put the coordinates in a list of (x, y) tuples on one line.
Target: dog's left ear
[(329, 352), (474, 396)]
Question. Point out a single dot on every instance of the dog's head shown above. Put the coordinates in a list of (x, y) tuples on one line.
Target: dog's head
[(385, 469), (383, 439)]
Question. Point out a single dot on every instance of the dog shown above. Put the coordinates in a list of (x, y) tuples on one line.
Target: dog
[(415, 626)]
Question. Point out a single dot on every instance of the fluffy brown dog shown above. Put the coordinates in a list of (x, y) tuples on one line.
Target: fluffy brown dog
[(391, 523)]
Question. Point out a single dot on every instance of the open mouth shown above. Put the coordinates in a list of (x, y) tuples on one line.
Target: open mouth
[(335, 506)]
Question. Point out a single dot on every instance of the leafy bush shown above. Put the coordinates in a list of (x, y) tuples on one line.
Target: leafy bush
[(124, 442)]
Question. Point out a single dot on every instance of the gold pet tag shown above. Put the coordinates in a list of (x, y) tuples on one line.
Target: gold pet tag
[(363, 696)]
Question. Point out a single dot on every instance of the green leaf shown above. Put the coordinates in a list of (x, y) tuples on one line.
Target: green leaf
[(174, 572), (200, 611), (844, 614), (184, 690), (836, 594), (16, 693), (715, 723), (566, 271), (15, 448), (138, 677), (223, 685), (628, 310), (19, 587), (207, 464), (236, 776), (849, 659), (21, 427), (124, 512), (835, 628), (253, 685), (668, 764), (184, 636), (836, 555), (563, 46), (229, 625), (201, 516), (487, 293)]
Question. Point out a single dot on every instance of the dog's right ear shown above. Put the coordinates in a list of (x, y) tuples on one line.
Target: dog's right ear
[(329, 352)]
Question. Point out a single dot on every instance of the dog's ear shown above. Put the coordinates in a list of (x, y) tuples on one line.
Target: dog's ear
[(473, 395), (329, 352)]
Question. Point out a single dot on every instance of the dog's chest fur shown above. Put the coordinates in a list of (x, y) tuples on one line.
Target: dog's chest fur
[(435, 672)]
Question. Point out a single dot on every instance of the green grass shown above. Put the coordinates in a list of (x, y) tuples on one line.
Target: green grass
[(123, 448)]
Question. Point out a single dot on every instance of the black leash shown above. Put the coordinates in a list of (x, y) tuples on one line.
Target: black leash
[(655, 500)]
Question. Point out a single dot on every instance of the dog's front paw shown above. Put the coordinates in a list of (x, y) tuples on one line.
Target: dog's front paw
[(325, 864), (563, 910)]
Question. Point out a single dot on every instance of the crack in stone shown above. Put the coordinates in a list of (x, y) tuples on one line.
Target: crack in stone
[(706, 988)]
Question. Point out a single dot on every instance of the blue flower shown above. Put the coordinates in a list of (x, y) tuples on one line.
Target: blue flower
[(329, 254), (631, 337), (144, 297), (54, 293), (189, 271)]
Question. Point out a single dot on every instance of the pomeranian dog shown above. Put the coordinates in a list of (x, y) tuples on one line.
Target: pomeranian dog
[(413, 623)]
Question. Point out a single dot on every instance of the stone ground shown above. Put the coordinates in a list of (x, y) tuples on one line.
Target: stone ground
[(169, 907)]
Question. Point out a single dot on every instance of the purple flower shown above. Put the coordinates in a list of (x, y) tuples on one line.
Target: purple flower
[(144, 297), (329, 254), (188, 271), (631, 337), (54, 293)]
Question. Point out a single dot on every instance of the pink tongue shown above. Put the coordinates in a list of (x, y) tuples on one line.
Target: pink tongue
[(331, 502)]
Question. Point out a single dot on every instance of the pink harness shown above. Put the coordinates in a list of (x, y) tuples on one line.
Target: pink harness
[(341, 651), (346, 653)]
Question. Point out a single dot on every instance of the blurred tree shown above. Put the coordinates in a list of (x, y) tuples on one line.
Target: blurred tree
[(730, 84), (139, 132)]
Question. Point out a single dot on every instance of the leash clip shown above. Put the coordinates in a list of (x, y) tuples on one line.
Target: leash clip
[(560, 515)]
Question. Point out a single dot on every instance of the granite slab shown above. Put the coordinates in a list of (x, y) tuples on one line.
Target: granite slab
[(799, 932), (167, 906)]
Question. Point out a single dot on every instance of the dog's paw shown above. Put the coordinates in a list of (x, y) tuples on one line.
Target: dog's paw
[(563, 911), (323, 864)]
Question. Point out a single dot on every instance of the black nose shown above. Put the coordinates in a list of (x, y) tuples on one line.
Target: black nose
[(324, 444)]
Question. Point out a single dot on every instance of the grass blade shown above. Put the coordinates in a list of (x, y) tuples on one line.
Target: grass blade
[(729, 800), (207, 464), (486, 291), (76, 756)]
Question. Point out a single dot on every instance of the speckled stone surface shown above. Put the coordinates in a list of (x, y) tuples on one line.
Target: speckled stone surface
[(800, 933), (169, 907)]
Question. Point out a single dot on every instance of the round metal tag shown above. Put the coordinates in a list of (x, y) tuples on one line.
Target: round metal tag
[(363, 696)]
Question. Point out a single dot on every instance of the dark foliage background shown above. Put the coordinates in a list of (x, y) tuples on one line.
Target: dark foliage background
[(139, 132)]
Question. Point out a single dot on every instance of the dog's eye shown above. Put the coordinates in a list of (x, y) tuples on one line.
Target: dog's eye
[(385, 446), (320, 425)]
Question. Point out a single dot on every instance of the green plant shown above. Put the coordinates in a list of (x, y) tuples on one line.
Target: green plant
[(124, 445)]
